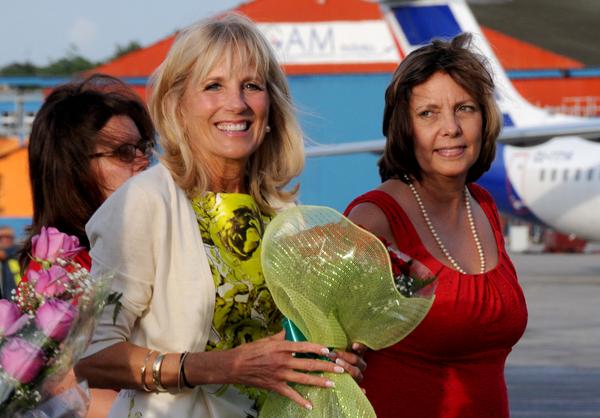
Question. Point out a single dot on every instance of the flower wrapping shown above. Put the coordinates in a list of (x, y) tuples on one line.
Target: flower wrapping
[(335, 282), (48, 324)]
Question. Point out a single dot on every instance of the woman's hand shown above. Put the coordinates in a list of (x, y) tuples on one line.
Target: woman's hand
[(351, 361), (268, 363)]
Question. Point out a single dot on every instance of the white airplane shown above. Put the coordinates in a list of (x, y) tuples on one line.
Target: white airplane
[(547, 167)]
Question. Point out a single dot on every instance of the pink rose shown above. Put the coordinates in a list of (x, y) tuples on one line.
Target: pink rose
[(51, 243), (11, 319), (55, 318), (49, 282), (21, 360)]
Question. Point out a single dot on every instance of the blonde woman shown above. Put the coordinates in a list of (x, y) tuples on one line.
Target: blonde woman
[(198, 333)]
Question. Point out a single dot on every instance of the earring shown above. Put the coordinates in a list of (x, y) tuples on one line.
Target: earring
[(268, 129)]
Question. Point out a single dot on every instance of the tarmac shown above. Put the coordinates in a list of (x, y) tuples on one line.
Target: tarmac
[(554, 370)]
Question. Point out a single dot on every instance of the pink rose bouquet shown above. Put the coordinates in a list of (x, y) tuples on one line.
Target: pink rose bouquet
[(51, 244), (48, 323)]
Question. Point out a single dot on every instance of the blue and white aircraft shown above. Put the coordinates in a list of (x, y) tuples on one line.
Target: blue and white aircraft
[(547, 167)]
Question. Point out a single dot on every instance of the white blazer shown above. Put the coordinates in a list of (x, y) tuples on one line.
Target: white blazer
[(147, 236)]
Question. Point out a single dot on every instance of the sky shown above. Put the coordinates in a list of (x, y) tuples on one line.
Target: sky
[(43, 30)]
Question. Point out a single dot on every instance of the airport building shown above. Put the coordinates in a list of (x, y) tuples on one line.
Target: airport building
[(339, 56)]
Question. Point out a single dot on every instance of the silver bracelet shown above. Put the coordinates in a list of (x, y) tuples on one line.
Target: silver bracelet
[(156, 373), (181, 373), (143, 371)]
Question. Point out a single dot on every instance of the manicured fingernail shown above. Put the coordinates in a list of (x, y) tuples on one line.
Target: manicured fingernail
[(324, 351), (330, 384), (338, 369), (308, 406), (356, 346), (340, 362)]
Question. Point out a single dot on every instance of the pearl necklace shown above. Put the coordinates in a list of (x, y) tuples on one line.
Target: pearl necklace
[(436, 236)]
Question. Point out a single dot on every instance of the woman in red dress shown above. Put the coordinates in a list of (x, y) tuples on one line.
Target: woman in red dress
[(441, 124)]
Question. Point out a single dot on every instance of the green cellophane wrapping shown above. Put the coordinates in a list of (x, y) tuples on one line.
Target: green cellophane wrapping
[(334, 281)]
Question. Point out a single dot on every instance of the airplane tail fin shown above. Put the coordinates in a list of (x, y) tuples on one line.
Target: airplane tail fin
[(416, 23)]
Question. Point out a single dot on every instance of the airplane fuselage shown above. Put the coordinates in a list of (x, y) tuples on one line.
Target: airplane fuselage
[(556, 183)]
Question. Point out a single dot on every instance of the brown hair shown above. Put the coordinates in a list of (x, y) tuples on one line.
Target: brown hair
[(65, 132), (469, 70)]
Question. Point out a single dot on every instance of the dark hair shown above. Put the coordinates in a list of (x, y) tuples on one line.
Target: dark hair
[(65, 132), (467, 69)]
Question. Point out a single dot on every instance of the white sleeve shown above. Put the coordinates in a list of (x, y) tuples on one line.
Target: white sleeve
[(124, 237)]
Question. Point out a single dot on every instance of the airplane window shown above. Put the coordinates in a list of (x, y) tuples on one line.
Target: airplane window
[(577, 174), (553, 175), (542, 173), (590, 175), (566, 175)]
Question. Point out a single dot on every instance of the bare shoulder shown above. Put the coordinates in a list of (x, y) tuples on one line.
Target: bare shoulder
[(370, 217)]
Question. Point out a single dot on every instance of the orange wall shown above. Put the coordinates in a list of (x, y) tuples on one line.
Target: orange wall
[(552, 92), (15, 192), (515, 54)]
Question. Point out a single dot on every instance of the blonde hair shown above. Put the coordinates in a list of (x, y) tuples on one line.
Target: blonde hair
[(196, 51)]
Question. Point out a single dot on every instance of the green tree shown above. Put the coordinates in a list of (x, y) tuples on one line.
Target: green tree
[(72, 63), (19, 68), (121, 50), (67, 66)]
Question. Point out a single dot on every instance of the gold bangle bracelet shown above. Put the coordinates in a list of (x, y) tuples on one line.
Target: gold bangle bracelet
[(156, 373), (143, 371)]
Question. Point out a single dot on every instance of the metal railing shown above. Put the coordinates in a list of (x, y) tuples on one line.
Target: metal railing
[(17, 111)]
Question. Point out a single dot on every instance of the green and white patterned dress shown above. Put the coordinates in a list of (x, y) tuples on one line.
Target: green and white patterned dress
[(232, 226)]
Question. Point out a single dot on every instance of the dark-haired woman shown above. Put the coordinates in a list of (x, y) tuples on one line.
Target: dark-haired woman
[(441, 123), (87, 139)]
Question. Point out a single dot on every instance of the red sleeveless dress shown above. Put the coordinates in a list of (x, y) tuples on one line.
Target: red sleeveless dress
[(452, 364)]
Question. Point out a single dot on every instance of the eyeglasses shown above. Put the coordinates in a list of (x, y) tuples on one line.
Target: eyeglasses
[(127, 153)]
